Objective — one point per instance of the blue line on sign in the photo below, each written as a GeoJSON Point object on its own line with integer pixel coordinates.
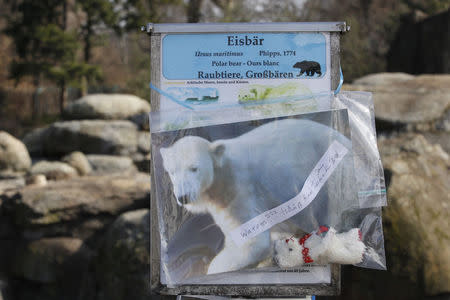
{"type": "Point", "coordinates": [341, 81]}
{"type": "Point", "coordinates": [170, 97]}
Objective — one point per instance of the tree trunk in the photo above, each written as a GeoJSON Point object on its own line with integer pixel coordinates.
{"type": "Point", "coordinates": [365, 5]}
{"type": "Point", "coordinates": [35, 98]}
{"type": "Point", "coordinates": [62, 96]}
{"type": "Point", "coordinates": [193, 11]}
{"type": "Point", "coordinates": [64, 15]}
{"type": "Point", "coordinates": [87, 42]}
{"type": "Point", "coordinates": [83, 86]}
{"type": "Point", "coordinates": [87, 54]}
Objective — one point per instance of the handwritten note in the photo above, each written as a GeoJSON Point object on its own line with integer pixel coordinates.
{"type": "Point", "coordinates": [316, 179]}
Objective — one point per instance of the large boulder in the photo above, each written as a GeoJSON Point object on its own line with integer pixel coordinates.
{"type": "Point", "coordinates": [87, 136]}
{"type": "Point", "coordinates": [53, 269]}
{"type": "Point", "coordinates": [53, 170]}
{"type": "Point", "coordinates": [34, 140]}
{"type": "Point", "coordinates": [8, 236]}
{"type": "Point", "coordinates": [144, 145]}
{"type": "Point", "coordinates": [76, 199]}
{"type": "Point", "coordinates": [378, 79]}
{"type": "Point", "coordinates": [109, 164]}
{"type": "Point", "coordinates": [142, 162]}
{"type": "Point", "coordinates": [123, 264]}
{"type": "Point", "coordinates": [402, 99]}
{"type": "Point", "coordinates": [141, 120]}
{"type": "Point", "coordinates": [48, 259]}
{"type": "Point", "coordinates": [418, 216]}
{"type": "Point", "coordinates": [439, 137]}
{"type": "Point", "coordinates": [37, 180]}
{"type": "Point", "coordinates": [13, 154]}
{"type": "Point", "coordinates": [106, 106]}
{"type": "Point", "coordinates": [10, 181]}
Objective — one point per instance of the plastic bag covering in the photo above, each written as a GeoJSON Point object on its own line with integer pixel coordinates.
{"type": "Point", "coordinates": [266, 157]}
{"type": "Point", "coordinates": [368, 166]}
{"type": "Point", "coordinates": [370, 180]}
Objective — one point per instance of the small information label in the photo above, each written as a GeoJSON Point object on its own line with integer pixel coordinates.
{"type": "Point", "coordinates": [316, 179]}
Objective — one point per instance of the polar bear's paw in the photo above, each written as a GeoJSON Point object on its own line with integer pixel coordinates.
{"type": "Point", "coordinates": [220, 264]}
{"type": "Point", "coordinates": [229, 260]}
{"type": "Point", "coordinates": [233, 257]}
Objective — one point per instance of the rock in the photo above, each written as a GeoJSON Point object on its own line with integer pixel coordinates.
{"type": "Point", "coordinates": [144, 142]}
{"type": "Point", "coordinates": [123, 263]}
{"type": "Point", "coordinates": [78, 161]}
{"type": "Point", "coordinates": [106, 107]}
{"type": "Point", "coordinates": [87, 136]}
{"type": "Point", "coordinates": [444, 124]}
{"type": "Point", "coordinates": [7, 231]}
{"type": "Point", "coordinates": [53, 170]}
{"type": "Point", "coordinates": [142, 162]}
{"type": "Point", "coordinates": [382, 79]}
{"type": "Point", "coordinates": [402, 99]}
{"type": "Point", "coordinates": [66, 289]}
{"type": "Point", "coordinates": [7, 251]}
{"type": "Point", "coordinates": [441, 138]}
{"type": "Point", "coordinates": [10, 181]}
{"type": "Point", "coordinates": [36, 180]}
{"type": "Point", "coordinates": [34, 140]}
{"type": "Point", "coordinates": [13, 154]}
{"type": "Point", "coordinates": [141, 120]}
{"type": "Point", "coordinates": [358, 283]}
{"type": "Point", "coordinates": [418, 216]}
{"type": "Point", "coordinates": [77, 199]}
{"type": "Point", "coordinates": [47, 260]}
{"type": "Point", "coordinates": [108, 164]}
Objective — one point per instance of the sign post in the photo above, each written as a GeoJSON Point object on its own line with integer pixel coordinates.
{"type": "Point", "coordinates": [204, 66]}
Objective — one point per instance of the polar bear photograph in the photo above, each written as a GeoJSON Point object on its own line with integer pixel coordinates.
{"type": "Point", "coordinates": [233, 172]}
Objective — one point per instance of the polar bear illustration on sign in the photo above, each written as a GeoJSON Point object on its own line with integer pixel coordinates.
{"type": "Point", "coordinates": [237, 179]}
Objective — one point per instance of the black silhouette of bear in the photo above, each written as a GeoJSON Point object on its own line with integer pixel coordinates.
{"type": "Point", "coordinates": [309, 67]}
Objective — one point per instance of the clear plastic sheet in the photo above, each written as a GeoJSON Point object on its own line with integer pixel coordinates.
{"type": "Point", "coordinates": [368, 166]}
{"type": "Point", "coordinates": [367, 161]}
{"type": "Point", "coordinates": [276, 156]}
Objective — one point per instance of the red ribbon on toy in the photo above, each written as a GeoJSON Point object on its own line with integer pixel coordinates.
{"type": "Point", "coordinates": [305, 252]}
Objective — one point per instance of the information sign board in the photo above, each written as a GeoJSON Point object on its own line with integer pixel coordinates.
{"type": "Point", "coordinates": [210, 67]}
{"type": "Point", "coordinates": [223, 68]}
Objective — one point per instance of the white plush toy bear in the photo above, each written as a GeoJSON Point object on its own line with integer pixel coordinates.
{"type": "Point", "coordinates": [321, 247]}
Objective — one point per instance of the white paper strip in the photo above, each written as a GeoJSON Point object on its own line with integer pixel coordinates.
{"type": "Point", "coordinates": [316, 179]}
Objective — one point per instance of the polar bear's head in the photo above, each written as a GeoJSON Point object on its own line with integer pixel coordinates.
{"type": "Point", "coordinates": [190, 164]}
